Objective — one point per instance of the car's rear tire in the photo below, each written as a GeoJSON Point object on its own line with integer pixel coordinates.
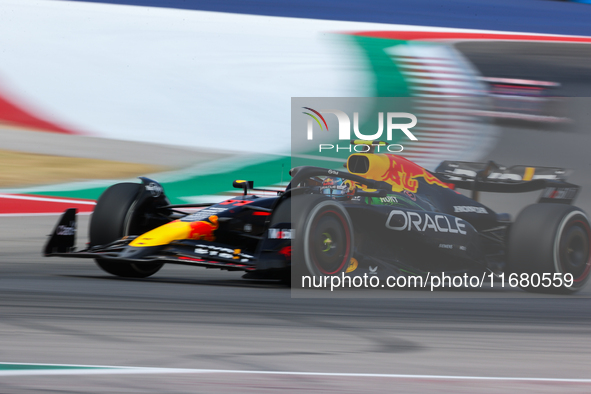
{"type": "Point", "coordinates": [552, 239]}
{"type": "Point", "coordinates": [324, 239]}
{"type": "Point", "coordinates": [114, 217]}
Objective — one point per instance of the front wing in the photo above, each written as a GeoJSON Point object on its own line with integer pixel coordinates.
{"type": "Point", "coordinates": [197, 253]}
{"type": "Point", "coordinates": [187, 252]}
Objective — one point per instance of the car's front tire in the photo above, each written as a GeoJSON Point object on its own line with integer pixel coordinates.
{"type": "Point", "coordinates": [113, 217]}
{"type": "Point", "coordinates": [324, 239]}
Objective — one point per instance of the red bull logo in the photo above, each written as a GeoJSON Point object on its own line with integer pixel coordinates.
{"type": "Point", "coordinates": [399, 172]}
{"type": "Point", "coordinates": [402, 174]}
{"type": "Point", "coordinates": [203, 230]}
{"type": "Point", "coordinates": [177, 229]}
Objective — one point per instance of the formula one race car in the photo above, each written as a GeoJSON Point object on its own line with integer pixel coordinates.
{"type": "Point", "coordinates": [384, 216]}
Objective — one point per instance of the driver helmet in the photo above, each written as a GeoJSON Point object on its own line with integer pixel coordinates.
{"type": "Point", "coordinates": [338, 188]}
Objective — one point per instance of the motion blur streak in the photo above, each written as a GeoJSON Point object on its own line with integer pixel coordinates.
{"type": "Point", "coordinates": [509, 15]}
{"type": "Point", "coordinates": [68, 312]}
{"type": "Point", "coordinates": [224, 81]}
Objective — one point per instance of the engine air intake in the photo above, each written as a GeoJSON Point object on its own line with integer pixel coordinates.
{"type": "Point", "coordinates": [358, 164]}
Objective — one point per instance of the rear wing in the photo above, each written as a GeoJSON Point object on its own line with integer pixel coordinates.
{"type": "Point", "coordinates": [491, 177]}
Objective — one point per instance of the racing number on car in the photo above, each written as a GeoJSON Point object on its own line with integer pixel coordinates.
{"type": "Point", "coordinates": [236, 202]}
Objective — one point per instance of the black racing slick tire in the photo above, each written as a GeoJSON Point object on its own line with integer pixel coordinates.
{"type": "Point", "coordinates": [114, 217]}
{"type": "Point", "coordinates": [324, 237]}
{"type": "Point", "coordinates": [554, 242]}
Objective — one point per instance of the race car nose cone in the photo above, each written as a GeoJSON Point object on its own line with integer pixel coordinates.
{"type": "Point", "coordinates": [133, 252]}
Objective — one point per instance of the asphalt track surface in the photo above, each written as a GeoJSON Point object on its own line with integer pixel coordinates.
{"type": "Point", "coordinates": [63, 311]}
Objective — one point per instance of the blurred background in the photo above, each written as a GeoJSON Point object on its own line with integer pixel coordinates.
{"type": "Point", "coordinates": [198, 93]}
{"type": "Point", "coordinates": [194, 93]}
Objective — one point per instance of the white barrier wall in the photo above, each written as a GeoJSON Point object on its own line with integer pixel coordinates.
{"type": "Point", "coordinates": [201, 79]}
{"type": "Point", "coordinates": [171, 76]}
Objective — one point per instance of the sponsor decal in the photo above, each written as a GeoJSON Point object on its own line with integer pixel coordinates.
{"type": "Point", "coordinates": [446, 246]}
{"type": "Point", "coordinates": [422, 221]}
{"type": "Point", "coordinates": [560, 193]}
{"type": "Point", "coordinates": [469, 209]}
{"type": "Point", "coordinates": [335, 187]}
{"type": "Point", "coordinates": [203, 214]}
{"type": "Point", "coordinates": [66, 230]}
{"type": "Point", "coordinates": [276, 233]}
{"type": "Point", "coordinates": [402, 174]}
{"type": "Point", "coordinates": [410, 195]}
{"type": "Point", "coordinates": [226, 253]}
{"type": "Point", "coordinates": [389, 200]}
{"type": "Point", "coordinates": [353, 264]}
{"type": "Point", "coordinates": [527, 175]}
{"type": "Point", "coordinates": [235, 202]}
{"type": "Point", "coordinates": [204, 230]}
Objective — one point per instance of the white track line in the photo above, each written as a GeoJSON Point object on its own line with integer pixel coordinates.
{"type": "Point", "coordinates": [132, 370]}
{"type": "Point", "coordinates": [3, 215]}
{"type": "Point", "coordinates": [59, 200]}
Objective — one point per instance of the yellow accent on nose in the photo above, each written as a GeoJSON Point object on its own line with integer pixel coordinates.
{"type": "Point", "coordinates": [163, 235]}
